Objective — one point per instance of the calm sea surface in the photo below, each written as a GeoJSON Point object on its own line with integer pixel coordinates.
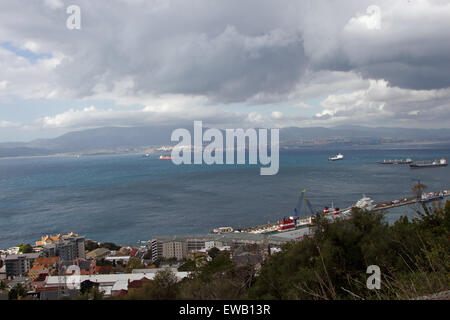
{"type": "Point", "coordinates": [126, 198]}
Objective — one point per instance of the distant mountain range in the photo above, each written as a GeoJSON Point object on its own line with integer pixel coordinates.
{"type": "Point", "coordinates": [108, 139]}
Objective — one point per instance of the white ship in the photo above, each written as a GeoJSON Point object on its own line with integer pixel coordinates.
{"type": "Point", "coordinates": [336, 157]}
{"type": "Point", "coordinates": [364, 203]}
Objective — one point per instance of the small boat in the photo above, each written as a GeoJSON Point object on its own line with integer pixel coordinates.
{"type": "Point", "coordinates": [336, 157]}
{"type": "Point", "coordinates": [165, 157]}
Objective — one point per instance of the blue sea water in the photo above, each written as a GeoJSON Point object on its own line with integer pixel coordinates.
{"type": "Point", "coordinates": [126, 198]}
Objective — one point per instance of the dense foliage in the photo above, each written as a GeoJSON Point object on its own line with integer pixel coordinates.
{"type": "Point", "coordinates": [413, 257]}
{"type": "Point", "coordinates": [25, 248]}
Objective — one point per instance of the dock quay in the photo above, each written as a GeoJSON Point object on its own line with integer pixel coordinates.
{"type": "Point", "coordinates": [271, 227]}
{"type": "Point", "coordinates": [405, 201]}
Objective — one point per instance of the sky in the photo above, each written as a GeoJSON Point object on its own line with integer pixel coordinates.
{"type": "Point", "coordinates": [228, 63]}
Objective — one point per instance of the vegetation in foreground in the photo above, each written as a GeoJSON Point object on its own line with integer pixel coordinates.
{"type": "Point", "coordinates": [413, 256]}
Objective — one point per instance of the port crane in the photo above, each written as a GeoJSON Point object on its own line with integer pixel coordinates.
{"type": "Point", "coordinates": [298, 208]}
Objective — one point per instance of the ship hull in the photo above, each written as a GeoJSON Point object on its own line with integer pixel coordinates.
{"type": "Point", "coordinates": [399, 162]}
{"type": "Point", "coordinates": [415, 166]}
{"type": "Point", "coordinates": [432, 199]}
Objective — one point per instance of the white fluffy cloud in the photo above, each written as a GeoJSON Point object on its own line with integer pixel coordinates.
{"type": "Point", "coordinates": [368, 61]}
{"type": "Point", "coordinates": [382, 104]}
{"type": "Point", "coordinates": [91, 117]}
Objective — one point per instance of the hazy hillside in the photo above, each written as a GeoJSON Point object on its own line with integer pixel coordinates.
{"type": "Point", "coordinates": [111, 138]}
{"type": "Point", "coordinates": [294, 133]}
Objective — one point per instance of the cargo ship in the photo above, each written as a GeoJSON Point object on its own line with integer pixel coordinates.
{"type": "Point", "coordinates": [401, 161]}
{"type": "Point", "coordinates": [336, 157]}
{"type": "Point", "coordinates": [165, 157]}
{"type": "Point", "coordinates": [429, 164]}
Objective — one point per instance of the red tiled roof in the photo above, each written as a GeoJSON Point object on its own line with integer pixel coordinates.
{"type": "Point", "coordinates": [46, 260]}
{"type": "Point", "coordinates": [139, 283]}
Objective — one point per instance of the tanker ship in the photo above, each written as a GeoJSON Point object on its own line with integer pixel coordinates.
{"type": "Point", "coordinates": [429, 164]}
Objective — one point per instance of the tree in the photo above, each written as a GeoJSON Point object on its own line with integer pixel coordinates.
{"type": "Point", "coordinates": [189, 265]}
{"type": "Point", "coordinates": [134, 264]}
{"type": "Point", "coordinates": [91, 245]}
{"type": "Point", "coordinates": [25, 248]}
{"type": "Point", "coordinates": [17, 292]}
{"type": "Point", "coordinates": [213, 252]}
{"type": "Point", "coordinates": [86, 286]}
{"type": "Point", "coordinates": [110, 246]}
{"type": "Point", "coordinates": [166, 285]}
{"type": "Point", "coordinates": [90, 291]}
{"type": "Point", "coordinates": [418, 189]}
{"type": "Point", "coordinates": [163, 287]}
{"type": "Point", "coordinates": [148, 255]}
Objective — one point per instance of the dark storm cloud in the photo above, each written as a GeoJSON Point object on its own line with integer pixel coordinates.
{"type": "Point", "coordinates": [234, 51]}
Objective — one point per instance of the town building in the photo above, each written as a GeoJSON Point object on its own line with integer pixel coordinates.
{"type": "Point", "coordinates": [174, 249]}
{"type": "Point", "coordinates": [19, 264]}
{"type": "Point", "coordinates": [49, 239]}
{"type": "Point", "coordinates": [169, 246]}
{"type": "Point", "coordinates": [86, 267]}
{"type": "Point", "coordinates": [23, 281]}
{"type": "Point", "coordinates": [47, 265]}
{"type": "Point", "coordinates": [118, 259]}
{"type": "Point", "coordinates": [67, 249]}
{"type": "Point", "coordinates": [98, 254]}
{"type": "Point", "coordinates": [56, 286]}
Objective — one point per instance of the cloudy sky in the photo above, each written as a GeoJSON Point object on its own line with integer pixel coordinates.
{"type": "Point", "coordinates": [229, 63]}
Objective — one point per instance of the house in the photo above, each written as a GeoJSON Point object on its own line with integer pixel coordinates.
{"type": "Point", "coordinates": [122, 287]}
{"type": "Point", "coordinates": [39, 281]}
{"type": "Point", "coordinates": [116, 259]}
{"type": "Point", "coordinates": [48, 265]}
{"type": "Point", "coordinates": [85, 266]}
{"type": "Point", "coordinates": [24, 281]}
{"type": "Point", "coordinates": [98, 254]}
{"type": "Point", "coordinates": [49, 239]}
{"type": "Point", "coordinates": [36, 270]}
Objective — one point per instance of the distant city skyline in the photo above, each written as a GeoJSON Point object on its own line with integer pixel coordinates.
{"type": "Point", "coordinates": [227, 63]}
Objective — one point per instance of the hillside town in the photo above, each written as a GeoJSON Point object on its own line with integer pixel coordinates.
{"type": "Point", "coordinates": [60, 266]}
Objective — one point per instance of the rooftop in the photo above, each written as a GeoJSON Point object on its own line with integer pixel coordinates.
{"type": "Point", "coordinates": [33, 255]}
{"type": "Point", "coordinates": [53, 281]}
{"type": "Point", "coordinates": [236, 236]}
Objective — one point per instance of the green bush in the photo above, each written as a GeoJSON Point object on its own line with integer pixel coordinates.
{"type": "Point", "coordinates": [331, 264]}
